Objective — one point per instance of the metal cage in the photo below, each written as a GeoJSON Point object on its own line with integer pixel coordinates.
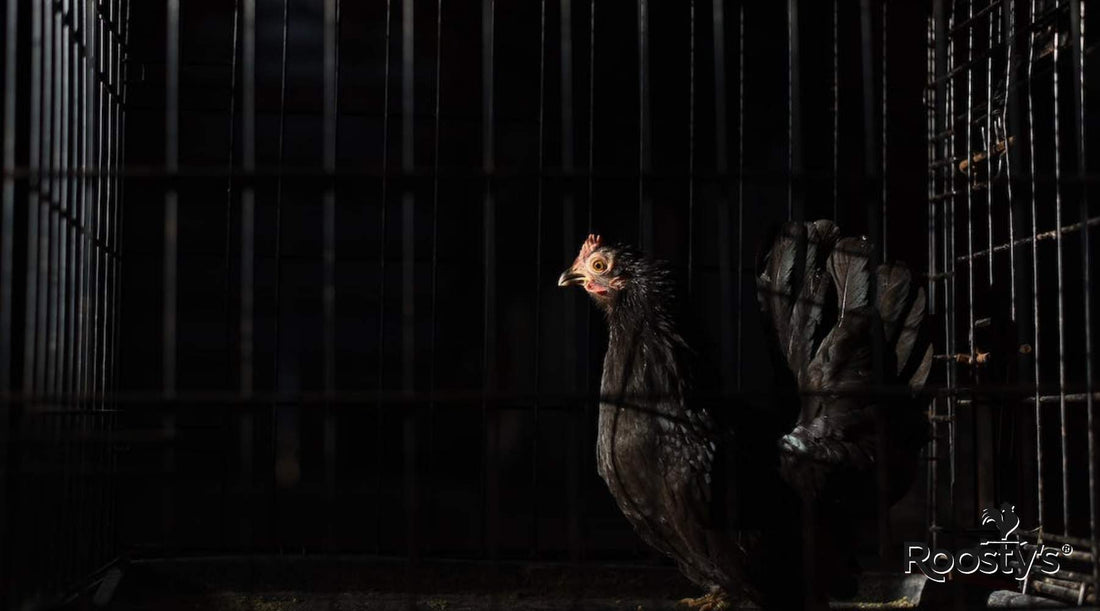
{"type": "Point", "coordinates": [1011, 242]}
{"type": "Point", "coordinates": [60, 271]}
{"type": "Point", "coordinates": [328, 327]}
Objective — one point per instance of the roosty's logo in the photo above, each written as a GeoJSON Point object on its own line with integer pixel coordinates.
{"type": "Point", "coordinates": [1005, 520]}
{"type": "Point", "coordinates": [1007, 555]}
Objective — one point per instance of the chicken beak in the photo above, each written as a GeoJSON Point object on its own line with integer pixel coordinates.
{"type": "Point", "coordinates": [571, 278]}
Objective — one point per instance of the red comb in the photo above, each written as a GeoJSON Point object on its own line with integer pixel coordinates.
{"type": "Point", "coordinates": [589, 245]}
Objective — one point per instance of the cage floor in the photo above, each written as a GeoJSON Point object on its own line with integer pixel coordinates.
{"type": "Point", "coordinates": [305, 583]}
{"type": "Point", "coordinates": [338, 583]}
{"type": "Point", "coordinates": [344, 583]}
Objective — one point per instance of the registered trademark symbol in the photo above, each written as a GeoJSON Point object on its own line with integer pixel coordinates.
{"type": "Point", "coordinates": [1066, 549]}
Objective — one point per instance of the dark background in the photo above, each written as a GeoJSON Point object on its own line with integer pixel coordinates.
{"type": "Point", "coordinates": [503, 457]}
{"type": "Point", "coordinates": [414, 384]}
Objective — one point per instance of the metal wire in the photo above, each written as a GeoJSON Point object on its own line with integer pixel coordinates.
{"type": "Point", "coordinates": [1035, 269]}
{"type": "Point", "coordinates": [1002, 124]}
{"type": "Point", "coordinates": [57, 114]}
{"type": "Point", "coordinates": [1061, 292]}
{"type": "Point", "coordinates": [1077, 28]}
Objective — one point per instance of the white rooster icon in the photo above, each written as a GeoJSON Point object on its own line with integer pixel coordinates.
{"type": "Point", "coordinates": [1005, 519]}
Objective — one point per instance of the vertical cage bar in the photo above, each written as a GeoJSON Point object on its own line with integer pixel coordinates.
{"type": "Point", "coordinates": [7, 249]}
{"type": "Point", "coordinates": [989, 144]}
{"type": "Point", "coordinates": [1034, 263]}
{"type": "Point", "coordinates": [104, 45]}
{"type": "Point", "coordinates": [49, 260]}
{"type": "Point", "coordinates": [1008, 119]}
{"type": "Point", "coordinates": [248, 203]}
{"type": "Point", "coordinates": [883, 127]}
{"type": "Point", "coordinates": [328, 296]}
{"type": "Point", "coordinates": [572, 477]}
{"type": "Point", "coordinates": [836, 108]}
{"type": "Point", "coordinates": [64, 168]}
{"type": "Point", "coordinates": [408, 277]}
{"type": "Point", "coordinates": [589, 407]}
{"type": "Point", "coordinates": [123, 72]}
{"type": "Point", "coordinates": [691, 149]}
{"type": "Point", "coordinates": [109, 93]}
{"type": "Point", "coordinates": [951, 283]}
{"type": "Point", "coordinates": [591, 115]}
{"type": "Point", "coordinates": [62, 566]}
{"type": "Point", "coordinates": [84, 229]}
{"type": "Point", "coordinates": [1077, 31]}
{"type": "Point", "coordinates": [227, 279]}
{"type": "Point", "coordinates": [489, 412]}
{"type": "Point", "coordinates": [871, 152]}
{"type": "Point", "coordinates": [102, 102]}
{"type": "Point", "coordinates": [69, 230]}
{"type": "Point", "coordinates": [116, 74]}
{"type": "Point", "coordinates": [45, 216]}
{"type": "Point", "coordinates": [49, 384]}
{"type": "Point", "coordinates": [645, 158]}
{"type": "Point", "coordinates": [567, 140]}
{"type": "Point", "coordinates": [794, 116]}
{"type": "Point", "coordinates": [171, 212]}
{"type": "Point", "coordinates": [289, 449]}
{"type": "Point", "coordinates": [331, 125]}
{"type": "Point", "coordinates": [383, 205]}
{"type": "Point", "coordinates": [92, 288]}
{"type": "Point", "coordinates": [740, 186]}
{"type": "Point", "coordinates": [92, 238]}
{"type": "Point", "coordinates": [1061, 292]}
{"type": "Point", "coordinates": [967, 151]}
{"type": "Point", "coordinates": [68, 262]}
{"type": "Point", "coordinates": [875, 218]}
{"type": "Point", "coordinates": [934, 114]}
{"type": "Point", "coordinates": [78, 420]}
{"type": "Point", "coordinates": [92, 234]}
{"type": "Point", "coordinates": [247, 256]}
{"type": "Point", "coordinates": [536, 406]}
{"type": "Point", "coordinates": [231, 159]}
{"type": "Point", "coordinates": [7, 213]}
{"type": "Point", "coordinates": [432, 475]}
{"type": "Point", "coordinates": [983, 415]}
{"type": "Point", "coordinates": [34, 206]}
{"type": "Point", "coordinates": [731, 312]}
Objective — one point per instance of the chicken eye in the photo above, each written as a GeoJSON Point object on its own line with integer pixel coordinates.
{"type": "Point", "coordinates": [599, 265]}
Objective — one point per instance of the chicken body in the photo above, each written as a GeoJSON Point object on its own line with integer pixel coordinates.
{"type": "Point", "coordinates": [729, 492]}
{"type": "Point", "coordinates": [666, 458]}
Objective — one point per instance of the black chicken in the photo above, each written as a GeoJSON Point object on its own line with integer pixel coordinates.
{"type": "Point", "coordinates": [720, 488]}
